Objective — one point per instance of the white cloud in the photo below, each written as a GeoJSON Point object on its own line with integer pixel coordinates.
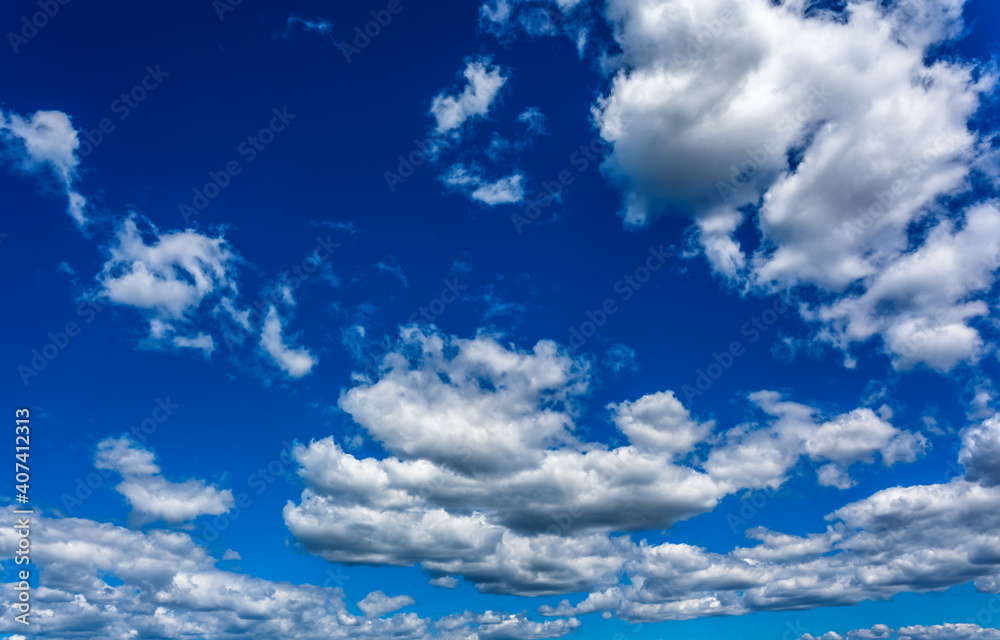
{"type": "Point", "coordinates": [659, 422]}
{"type": "Point", "coordinates": [504, 191]}
{"type": "Point", "coordinates": [856, 437]}
{"type": "Point", "coordinates": [295, 362]}
{"type": "Point", "coordinates": [484, 81]}
{"type": "Point", "coordinates": [170, 280]}
{"type": "Point", "coordinates": [492, 625]}
{"type": "Point", "coordinates": [980, 454]}
{"type": "Point", "coordinates": [202, 341]}
{"type": "Point", "coordinates": [915, 538]}
{"type": "Point", "coordinates": [461, 417]}
{"type": "Point", "coordinates": [172, 589]}
{"type": "Point", "coordinates": [759, 458]}
{"type": "Point", "coordinates": [46, 139]}
{"type": "Point", "coordinates": [377, 604]}
{"type": "Point", "coordinates": [445, 582]}
{"type": "Point", "coordinates": [151, 496]}
{"type": "Point", "coordinates": [480, 408]}
{"type": "Point", "coordinates": [840, 136]}
{"type": "Point", "coordinates": [181, 280]}
{"type": "Point", "coordinates": [948, 631]}
{"type": "Point", "coordinates": [470, 181]}
{"type": "Point", "coordinates": [534, 120]}
{"type": "Point", "coordinates": [877, 632]}
{"type": "Point", "coordinates": [922, 302]}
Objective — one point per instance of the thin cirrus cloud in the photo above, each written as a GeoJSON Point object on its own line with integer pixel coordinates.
{"type": "Point", "coordinates": [46, 140]}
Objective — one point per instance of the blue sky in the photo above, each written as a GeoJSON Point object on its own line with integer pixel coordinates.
{"type": "Point", "coordinates": [519, 319]}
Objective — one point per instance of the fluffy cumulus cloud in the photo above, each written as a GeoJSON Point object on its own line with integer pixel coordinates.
{"type": "Point", "coordinates": [153, 497]}
{"type": "Point", "coordinates": [377, 604]}
{"type": "Point", "coordinates": [856, 437]}
{"type": "Point", "coordinates": [46, 141]}
{"type": "Point", "coordinates": [980, 454]}
{"type": "Point", "coordinates": [107, 581]}
{"type": "Point", "coordinates": [835, 134]}
{"type": "Point", "coordinates": [483, 83]}
{"type": "Point", "coordinates": [492, 625]}
{"type": "Point", "coordinates": [181, 281]}
{"type": "Point", "coordinates": [170, 277]}
{"type": "Point", "coordinates": [659, 422]}
{"type": "Point", "coordinates": [949, 631]}
{"type": "Point", "coordinates": [915, 538]}
{"type": "Point", "coordinates": [486, 478]}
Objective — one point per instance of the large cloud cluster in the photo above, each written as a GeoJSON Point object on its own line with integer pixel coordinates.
{"type": "Point", "coordinates": [486, 476]}
{"type": "Point", "coordinates": [110, 582]}
{"type": "Point", "coordinates": [838, 134]}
